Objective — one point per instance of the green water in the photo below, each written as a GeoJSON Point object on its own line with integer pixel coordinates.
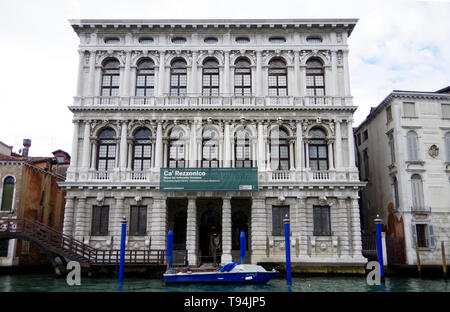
{"type": "Point", "coordinates": [49, 283]}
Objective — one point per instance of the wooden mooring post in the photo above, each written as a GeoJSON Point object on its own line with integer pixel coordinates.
{"type": "Point", "coordinates": [419, 267]}
{"type": "Point", "coordinates": [444, 261]}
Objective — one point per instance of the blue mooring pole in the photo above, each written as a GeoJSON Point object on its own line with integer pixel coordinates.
{"type": "Point", "coordinates": [122, 250]}
{"type": "Point", "coordinates": [288, 249]}
{"type": "Point", "coordinates": [243, 247]}
{"type": "Point", "coordinates": [169, 248]}
{"type": "Point", "coordinates": [378, 222]}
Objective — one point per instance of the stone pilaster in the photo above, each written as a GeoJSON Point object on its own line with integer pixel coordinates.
{"type": "Point", "coordinates": [69, 211]}
{"type": "Point", "coordinates": [344, 227]}
{"type": "Point", "coordinates": [226, 230]}
{"type": "Point", "coordinates": [302, 227]}
{"type": "Point", "coordinates": [258, 229]}
{"type": "Point", "coordinates": [81, 219]}
{"type": "Point", "coordinates": [191, 231]}
{"type": "Point", "coordinates": [159, 221]}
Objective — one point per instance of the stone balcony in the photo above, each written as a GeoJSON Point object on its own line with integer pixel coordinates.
{"type": "Point", "coordinates": [265, 177]}
{"type": "Point", "coordinates": [219, 102]}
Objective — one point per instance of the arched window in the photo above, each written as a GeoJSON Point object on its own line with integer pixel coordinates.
{"type": "Point", "coordinates": [176, 154]}
{"type": "Point", "coordinates": [210, 149]}
{"type": "Point", "coordinates": [178, 78]}
{"type": "Point", "coordinates": [242, 78]}
{"type": "Point", "coordinates": [318, 152]}
{"type": "Point", "coordinates": [110, 78]}
{"type": "Point", "coordinates": [412, 145]}
{"type": "Point", "coordinates": [417, 193]}
{"type": "Point", "coordinates": [279, 149]}
{"type": "Point", "coordinates": [447, 145]}
{"type": "Point", "coordinates": [210, 86]}
{"type": "Point", "coordinates": [315, 79]}
{"type": "Point", "coordinates": [145, 78]}
{"type": "Point", "coordinates": [106, 154]}
{"type": "Point", "coordinates": [7, 194]}
{"type": "Point", "coordinates": [277, 78]}
{"type": "Point", "coordinates": [142, 150]}
{"type": "Point", "coordinates": [242, 149]}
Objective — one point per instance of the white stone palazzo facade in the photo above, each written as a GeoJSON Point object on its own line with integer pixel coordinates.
{"type": "Point", "coordinates": [312, 176]}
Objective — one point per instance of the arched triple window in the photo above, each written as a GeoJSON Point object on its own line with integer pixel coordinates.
{"type": "Point", "coordinates": [145, 79]}
{"type": "Point", "coordinates": [210, 148]}
{"type": "Point", "coordinates": [412, 142]}
{"type": "Point", "coordinates": [242, 78]}
{"type": "Point", "coordinates": [210, 78]}
{"type": "Point", "coordinates": [178, 78]}
{"type": "Point", "coordinates": [318, 152]}
{"type": "Point", "coordinates": [242, 149]}
{"type": "Point", "coordinates": [279, 149]}
{"type": "Point", "coordinates": [106, 154]}
{"type": "Point", "coordinates": [277, 78]}
{"type": "Point", "coordinates": [142, 150]}
{"type": "Point", "coordinates": [110, 78]}
{"type": "Point", "coordinates": [176, 154]}
{"type": "Point", "coordinates": [7, 194]}
{"type": "Point", "coordinates": [417, 193]}
{"type": "Point", "coordinates": [315, 80]}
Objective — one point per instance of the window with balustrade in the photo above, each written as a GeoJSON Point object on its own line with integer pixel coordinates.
{"type": "Point", "coordinates": [142, 150]}
{"type": "Point", "coordinates": [242, 149]}
{"type": "Point", "coordinates": [277, 77]}
{"type": "Point", "coordinates": [145, 78]}
{"type": "Point", "coordinates": [210, 148]}
{"type": "Point", "coordinates": [8, 194]}
{"type": "Point", "coordinates": [315, 80]}
{"type": "Point", "coordinates": [110, 78]}
{"type": "Point", "coordinates": [318, 151]}
{"type": "Point", "coordinates": [106, 153]}
{"type": "Point", "coordinates": [210, 78]}
{"type": "Point", "coordinates": [176, 146]}
{"type": "Point", "coordinates": [242, 78]}
{"type": "Point", "coordinates": [178, 78]}
{"type": "Point", "coordinates": [279, 149]}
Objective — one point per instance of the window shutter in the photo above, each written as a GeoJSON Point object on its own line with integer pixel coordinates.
{"type": "Point", "coordinates": [412, 146]}
{"type": "Point", "coordinates": [317, 223]}
{"type": "Point", "coordinates": [95, 220]}
{"type": "Point", "coordinates": [104, 220]}
{"type": "Point", "coordinates": [432, 238]}
{"type": "Point", "coordinates": [142, 220]}
{"type": "Point", "coordinates": [413, 235]}
{"type": "Point", "coordinates": [276, 221]}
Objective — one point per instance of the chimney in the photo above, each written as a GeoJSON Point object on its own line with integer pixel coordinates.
{"type": "Point", "coordinates": [26, 147]}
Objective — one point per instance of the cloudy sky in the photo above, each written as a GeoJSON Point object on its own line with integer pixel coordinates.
{"type": "Point", "coordinates": [396, 45]}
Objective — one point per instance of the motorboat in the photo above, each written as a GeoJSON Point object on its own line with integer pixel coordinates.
{"type": "Point", "coordinates": [231, 273]}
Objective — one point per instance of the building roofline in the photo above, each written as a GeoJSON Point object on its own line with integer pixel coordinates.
{"type": "Point", "coordinates": [399, 94]}
{"type": "Point", "coordinates": [347, 23]}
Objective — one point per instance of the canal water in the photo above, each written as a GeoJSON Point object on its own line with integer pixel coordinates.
{"type": "Point", "coordinates": [49, 283]}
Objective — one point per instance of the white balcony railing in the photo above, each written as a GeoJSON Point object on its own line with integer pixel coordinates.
{"type": "Point", "coordinates": [100, 175]}
{"type": "Point", "coordinates": [281, 175]}
{"type": "Point", "coordinates": [143, 100]}
{"type": "Point", "coordinates": [320, 175]}
{"type": "Point", "coordinates": [175, 100]}
{"type": "Point", "coordinates": [106, 100]}
{"type": "Point", "coordinates": [139, 176]}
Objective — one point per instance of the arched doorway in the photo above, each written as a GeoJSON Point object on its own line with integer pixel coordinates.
{"type": "Point", "coordinates": [210, 227]}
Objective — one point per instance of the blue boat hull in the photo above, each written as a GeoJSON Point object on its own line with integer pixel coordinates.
{"type": "Point", "coordinates": [220, 278]}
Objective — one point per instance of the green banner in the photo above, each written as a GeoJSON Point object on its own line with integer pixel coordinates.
{"type": "Point", "coordinates": [209, 179]}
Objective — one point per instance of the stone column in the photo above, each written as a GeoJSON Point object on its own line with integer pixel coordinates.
{"type": "Point", "coordinates": [351, 146]}
{"type": "Point", "coordinates": [330, 155]}
{"type": "Point", "coordinates": [338, 146]}
{"type": "Point", "coordinates": [307, 154]}
{"type": "Point", "coordinates": [193, 145]}
{"type": "Point", "coordinates": [296, 73]}
{"type": "Point", "coordinates": [115, 218]}
{"type": "Point", "coordinates": [226, 230]}
{"type": "Point", "coordinates": [299, 146]}
{"type": "Point", "coordinates": [344, 223]}
{"type": "Point", "coordinates": [191, 231]}
{"type": "Point", "coordinates": [80, 78]}
{"type": "Point", "coordinates": [74, 158]}
{"type": "Point", "coordinates": [86, 145]}
{"type": "Point", "coordinates": [123, 147]}
{"type": "Point", "coordinates": [94, 155]}
{"type": "Point", "coordinates": [161, 73]}
{"type": "Point", "coordinates": [81, 219]}
{"type": "Point", "coordinates": [125, 85]}
{"type": "Point", "coordinates": [227, 145]}
{"type": "Point", "coordinates": [334, 79]}
{"type": "Point", "coordinates": [158, 147]}
{"type": "Point", "coordinates": [158, 225]}
{"type": "Point", "coordinates": [302, 84]}
{"type": "Point", "coordinates": [346, 74]}
{"type": "Point", "coordinates": [302, 226]}
{"type": "Point", "coordinates": [355, 229]}
{"type": "Point", "coordinates": [261, 147]}
{"type": "Point", "coordinates": [226, 74]}
{"type": "Point", "coordinates": [259, 230]}
{"type": "Point", "coordinates": [91, 75]}
{"type": "Point", "coordinates": [291, 155]}
{"type": "Point", "coordinates": [194, 74]}
{"type": "Point", "coordinates": [69, 212]}
{"type": "Point", "coordinates": [259, 74]}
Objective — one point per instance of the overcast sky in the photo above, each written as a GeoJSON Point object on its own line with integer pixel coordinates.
{"type": "Point", "coordinates": [396, 45]}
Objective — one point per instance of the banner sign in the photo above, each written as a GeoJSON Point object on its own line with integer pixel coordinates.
{"type": "Point", "coordinates": [209, 179]}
